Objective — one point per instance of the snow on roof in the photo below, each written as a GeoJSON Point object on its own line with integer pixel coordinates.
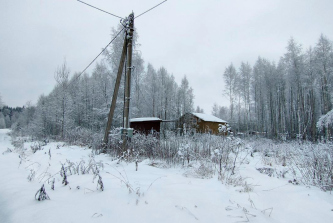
{"type": "Point", "coordinates": [208, 118]}
{"type": "Point", "coordinates": [145, 119]}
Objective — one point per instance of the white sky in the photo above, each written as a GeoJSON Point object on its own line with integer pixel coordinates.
{"type": "Point", "coordinates": [196, 38]}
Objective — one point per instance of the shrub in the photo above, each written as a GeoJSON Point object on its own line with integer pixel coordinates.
{"type": "Point", "coordinates": [41, 194]}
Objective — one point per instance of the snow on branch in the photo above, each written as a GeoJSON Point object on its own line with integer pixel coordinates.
{"type": "Point", "coordinates": [325, 120]}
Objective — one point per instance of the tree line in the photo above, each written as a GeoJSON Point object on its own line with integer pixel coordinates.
{"type": "Point", "coordinates": [284, 99]}
{"type": "Point", "coordinates": [83, 101]}
{"type": "Point", "coordinates": [8, 115]}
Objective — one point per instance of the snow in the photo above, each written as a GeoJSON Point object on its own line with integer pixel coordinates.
{"type": "Point", "coordinates": [325, 120]}
{"type": "Point", "coordinates": [145, 119]}
{"type": "Point", "coordinates": [209, 118]}
{"type": "Point", "coordinates": [159, 194]}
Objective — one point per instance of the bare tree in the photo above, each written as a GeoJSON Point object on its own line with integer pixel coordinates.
{"type": "Point", "coordinates": [62, 77]}
{"type": "Point", "coordinates": [230, 77]}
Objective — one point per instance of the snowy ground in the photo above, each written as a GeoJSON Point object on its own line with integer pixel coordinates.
{"type": "Point", "coordinates": [158, 194]}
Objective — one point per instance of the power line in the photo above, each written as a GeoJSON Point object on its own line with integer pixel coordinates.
{"type": "Point", "coordinates": [150, 9]}
{"type": "Point", "coordinates": [100, 53]}
{"type": "Point", "coordinates": [117, 33]}
{"type": "Point", "coordinates": [100, 9]}
{"type": "Point", "coordinates": [119, 16]}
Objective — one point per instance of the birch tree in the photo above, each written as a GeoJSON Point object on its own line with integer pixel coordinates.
{"type": "Point", "coordinates": [324, 69]}
{"type": "Point", "coordinates": [64, 101]}
{"type": "Point", "coordinates": [230, 77]}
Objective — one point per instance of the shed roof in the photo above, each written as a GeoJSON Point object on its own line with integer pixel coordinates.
{"type": "Point", "coordinates": [208, 118]}
{"type": "Point", "coordinates": [146, 119]}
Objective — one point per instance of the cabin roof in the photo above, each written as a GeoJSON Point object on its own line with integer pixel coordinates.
{"type": "Point", "coordinates": [208, 118]}
{"type": "Point", "coordinates": [146, 119]}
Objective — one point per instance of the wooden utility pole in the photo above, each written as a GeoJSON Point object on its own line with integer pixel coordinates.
{"type": "Point", "coordinates": [128, 24]}
{"type": "Point", "coordinates": [127, 49]}
{"type": "Point", "coordinates": [129, 70]}
{"type": "Point", "coordinates": [115, 92]}
{"type": "Point", "coordinates": [128, 77]}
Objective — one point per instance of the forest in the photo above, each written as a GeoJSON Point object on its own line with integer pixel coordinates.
{"type": "Point", "coordinates": [8, 115]}
{"type": "Point", "coordinates": [80, 103]}
{"type": "Point", "coordinates": [291, 99]}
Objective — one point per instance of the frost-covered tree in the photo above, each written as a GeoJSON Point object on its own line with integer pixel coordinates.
{"type": "Point", "coordinates": [2, 117]}
{"type": "Point", "coordinates": [24, 122]}
{"type": "Point", "coordinates": [294, 60]}
{"type": "Point", "coordinates": [230, 78]}
{"type": "Point", "coordinates": [78, 106]}
{"type": "Point", "coordinates": [284, 99]}
{"type": "Point", "coordinates": [151, 91]}
{"type": "Point", "coordinates": [102, 86]}
{"type": "Point", "coordinates": [137, 87]}
{"type": "Point", "coordinates": [324, 69]}
{"type": "Point", "coordinates": [63, 100]}
{"type": "Point", "coordinates": [244, 90]}
{"type": "Point", "coordinates": [2, 121]}
{"type": "Point", "coordinates": [312, 94]}
{"type": "Point", "coordinates": [199, 110]}
{"type": "Point", "coordinates": [159, 94]}
{"type": "Point", "coordinates": [259, 93]}
{"type": "Point", "coordinates": [1, 103]}
{"type": "Point", "coordinates": [221, 112]}
{"type": "Point", "coordinates": [186, 97]}
{"type": "Point", "coordinates": [325, 123]}
{"type": "Point", "coordinates": [41, 121]}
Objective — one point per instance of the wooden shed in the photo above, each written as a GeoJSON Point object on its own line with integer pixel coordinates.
{"type": "Point", "coordinates": [200, 123]}
{"type": "Point", "coordinates": [146, 125]}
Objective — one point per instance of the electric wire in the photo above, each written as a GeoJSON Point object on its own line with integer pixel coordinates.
{"type": "Point", "coordinates": [115, 36]}
{"type": "Point", "coordinates": [100, 9]}
{"type": "Point", "coordinates": [100, 53]}
{"type": "Point", "coordinates": [119, 16]}
{"type": "Point", "coordinates": [151, 9]}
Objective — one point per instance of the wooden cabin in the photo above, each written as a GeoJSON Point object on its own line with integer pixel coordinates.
{"type": "Point", "coordinates": [146, 125]}
{"type": "Point", "coordinates": [200, 123]}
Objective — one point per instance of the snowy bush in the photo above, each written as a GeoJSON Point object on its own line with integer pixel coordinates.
{"type": "Point", "coordinates": [36, 146]}
{"type": "Point", "coordinates": [100, 183]}
{"type": "Point", "coordinates": [52, 184]}
{"type": "Point", "coordinates": [185, 152]}
{"type": "Point", "coordinates": [203, 170]}
{"type": "Point", "coordinates": [146, 146]}
{"type": "Point", "coordinates": [7, 151]}
{"type": "Point", "coordinates": [31, 176]}
{"type": "Point", "coordinates": [309, 163]}
{"type": "Point", "coordinates": [63, 175]}
{"type": "Point", "coordinates": [325, 120]}
{"type": "Point", "coordinates": [41, 194]}
{"type": "Point", "coordinates": [197, 154]}
{"type": "Point", "coordinates": [115, 145]}
{"type": "Point", "coordinates": [84, 137]}
{"type": "Point", "coordinates": [325, 124]}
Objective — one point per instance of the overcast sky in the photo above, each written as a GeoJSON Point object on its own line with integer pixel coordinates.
{"type": "Point", "coordinates": [196, 38]}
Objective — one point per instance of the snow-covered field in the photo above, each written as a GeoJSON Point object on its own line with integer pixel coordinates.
{"type": "Point", "coordinates": [151, 194]}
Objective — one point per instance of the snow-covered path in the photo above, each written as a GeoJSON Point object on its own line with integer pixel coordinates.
{"type": "Point", "coordinates": [159, 195]}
